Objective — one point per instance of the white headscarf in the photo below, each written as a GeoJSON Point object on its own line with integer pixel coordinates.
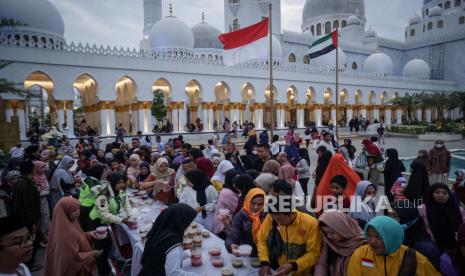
{"type": "Point", "coordinates": [223, 167]}
{"type": "Point", "coordinates": [360, 210]}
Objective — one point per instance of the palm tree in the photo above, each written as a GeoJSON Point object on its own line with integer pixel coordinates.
{"type": "Point", "coordinates": [408, 103]}
{"type": "Point", "coordinates": [457, 100]}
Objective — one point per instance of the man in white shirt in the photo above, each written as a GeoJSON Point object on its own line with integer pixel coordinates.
{"type": "Point", "coordinates": [326, 142]}
{"type": "Point", "coordinates": [17, 152]}
{"type": "Point", "coordinates": [15, 247]}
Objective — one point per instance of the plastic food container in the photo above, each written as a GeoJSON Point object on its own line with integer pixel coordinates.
{"type": "Point", "coordinates": [217, 261]}
{"type": "Point", "coordinates": [227, 271]}
{"type": "Point", "coordinates": [245, 249]}
{"type": "Point", "coordinates": [237, 262]}
{"type": "Point", "coordinates": [214, 251]}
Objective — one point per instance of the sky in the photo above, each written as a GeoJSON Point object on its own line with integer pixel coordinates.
{"type": "Point", "coordinates": [120, 22]}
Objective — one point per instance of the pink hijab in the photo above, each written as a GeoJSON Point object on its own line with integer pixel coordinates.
{"type": "Point", "coordinates": [68, 250]}
{"type": "Point", "coordinates": [39, 177]}
{"type": "Point", "coordinates": [286, 172]}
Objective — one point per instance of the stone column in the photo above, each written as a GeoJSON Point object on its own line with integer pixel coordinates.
{"type": "Point", "coordinates": [333, 115]}
{"type": "Point", "coordinates": [9, 111]}
{"type": "Point", "coordinates": [69, 119]}
{"type": "Point", "coordinates": [388, 115]}
{"type": "Point", "coordinates": [428, 115]}
{"type": "Point", "coordinates": [21, 113]}
{"type": "Point", "coordinates": [300, 116]}
{"type": "Point", "coordinates": [375, 113]}
{"type": "Point", "coordinates": [107, 117]}
{"type": "Point", "coordinates": [204, 117]}
{"type": "Point", "coordinates": [60, 114]}
{"type": "Point", "coordinates": [135, 118]}
{"type": "Point", "coordinates": [419, 114]}
{"type": "Point", "coordinates": [145, 117]}
{"type": "Point", "coordinates": [211, 117]}
{"type": "Point", "coordinates": [399, 116]}
{"type": "Point", "coordinates": [279, 116]}
{"type": "Point", "coordinates": [182, 116]}
{"type": "Point", "coordinates": [318, 115]}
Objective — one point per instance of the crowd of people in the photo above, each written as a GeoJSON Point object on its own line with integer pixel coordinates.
{"type": "Point", "coordinates": [56, 198]}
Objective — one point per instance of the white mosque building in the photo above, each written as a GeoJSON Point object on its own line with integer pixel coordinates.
{"type": "Point", "coordinates": [114, 85]}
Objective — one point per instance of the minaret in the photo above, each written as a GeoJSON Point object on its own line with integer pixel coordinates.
{"type": "Point", "coordinates": [152, 14]}
{"type": "Point", "coordinates": [242, 13]}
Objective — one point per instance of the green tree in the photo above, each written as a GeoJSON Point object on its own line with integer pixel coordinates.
{"type": "Point", "coordinates": [457, 100]}
{"type": "Point", "coordinates": [158, 105]}
{"type": "Point", "coordinates": [408, 103]}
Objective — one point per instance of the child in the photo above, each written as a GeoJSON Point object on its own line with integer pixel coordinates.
{"type": "Point", "coordinates": [338, 186]}
{"type": "Point", "coordinates": [398, 189]}
{"type": "Point", "coordinates": [116, 167]}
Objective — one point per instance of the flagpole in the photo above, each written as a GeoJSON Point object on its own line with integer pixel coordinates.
{"type": "Point", "coordinates": [271, 72]}
{"type": "Point", "coordinates": [337, 88]}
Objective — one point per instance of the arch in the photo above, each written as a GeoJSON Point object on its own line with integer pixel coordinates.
{"type": "Point", "coordinates": [194, 92]}
{"type": "Point", "coordinates": [291, 57]}
{"type": "Point", "coordinates": [412, 32]}
{"type": "Point", "coordinates": [343, 23]}
{"type": "Point", "coordinates": [395, 95]}
{"type": "Point", "coordinates": [358, 97]}
{"type": "Point", "coordinates": [306, 59]}
{"type": "Point", "coordinates": [440, 24]}
{"type": "Point", "coordinates": [343, 96]}
{"type": "Point", "coordinates": [461, 20]}
{"type": "Point", "coordinates": [336, 24]}
{"type": "Point", "coordinates": [39, 99]}
{"type": "Point", "coordinates": [247, 92]}
{"type": "Point", "coordinates": [312, 29]}
{"type": "Point", "coordinates": [222, 92]}
{"type": "Point", "coordinates": [292, 96]}
{"type": "Point", "coordinates": [384, 98]}
{"type": "Point", "coordinates": [126, 106]}
{"type": "Point", "coordinates": [41, 79]}
{"type": "Point", "coordinates": [310, 95]}
{"type": "Point", "coordinates": [328, 96]}
{"type": "Point", "coordinates": [354, 65]}
{"type": "Point", "coordinates": [88, 90]}
{"type": "Point", "coordinates": [372, 97]}
{"type": "Point", "coordinates": [318, 29]}
{"type": "Point", "coordinates": [327, 27]}
{"type": "Point", "coordinates": [447, 5]}
{"type": "Point", "coordinates": [430, 25]}
{"type": "Point", "coordinates": [164, 86]}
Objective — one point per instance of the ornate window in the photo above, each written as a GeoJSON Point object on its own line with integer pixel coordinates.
{"type": "Point", "coordinates": [462, 20]}
{"type": "Point", "coordinates": [327, 27]}
{"type": "Point", "coordinates": [457, 3]}
{"type": "Point", "coordinates": [412, 32]}
{"type": "Point", "coordinates": [291, 57]}
{"type": "Point", "coordinates": [318, 29]}
{"type": "Point", "coordinates": [430, 26]}
{"type": "Point", "coordinates": [306, 59]}
{"type": "Point", "coordinates": [336, 24]}
{"type": "Point", "coordinates": [343, 23]}
{"type": "Point", "coordinates": [447, 5]}
{"type": "Point", "coordinates": [235, 25]}
{"type": "Point", "coordinates": [440, 24]}
{"type": "Point", "coordinates": [312, 29]}
{"type": "Point", "coordinates": [354, 66]}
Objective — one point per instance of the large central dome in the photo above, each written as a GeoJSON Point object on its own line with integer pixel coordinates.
{"type": "Point", "coordinates": [316, 8]}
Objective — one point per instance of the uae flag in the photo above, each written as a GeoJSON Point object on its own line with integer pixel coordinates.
{"type": "Point", "coordinates": [246, 44]}
{"type": "Point", "coordinates": [323, 45]}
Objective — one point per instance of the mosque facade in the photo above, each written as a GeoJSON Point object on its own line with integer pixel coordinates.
{"type": "Point", "coordinates": [110, 85]}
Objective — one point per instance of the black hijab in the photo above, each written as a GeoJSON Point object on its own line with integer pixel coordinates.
{"type": "Point", "coordinates": [229, 180]}
{"type": "Point", "coordinates": [166, 233]}
{"type": "Point", "coordinates": [444, 219]}
{"type": "Point", "coordinates": [418, 183]}
{"type": "Point", "coordinates": [200, 183]}
{"type": "Point", "coordinates": [323, 162]}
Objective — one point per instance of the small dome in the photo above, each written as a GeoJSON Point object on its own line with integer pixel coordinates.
{"type": "Point", "coordinates": [378, 63]}
{"type": "Point", "coordinates": [415, 20]}
{"type": "Point", "coordinates": [38, 16]}
{"type": "Point", "coordinates": [353, 20]}
{"type": "Point", "coordinates": [171, 32]}
{"type": "Point", "coordinates": [316, 8]}
{"type": "Point", "coordinates": [329, 60]}
{"type": "Point", "coordinates": [370, 33]}
{"type": "Point", "coordinates": [435, 11]}
{"type": "Point", "coordinates": [417, 68]}
{"type": "Point", "coordinates": [206, 36]}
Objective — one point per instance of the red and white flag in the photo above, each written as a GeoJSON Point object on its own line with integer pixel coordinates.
{"type": "Point", "coordinates": [244, 44]}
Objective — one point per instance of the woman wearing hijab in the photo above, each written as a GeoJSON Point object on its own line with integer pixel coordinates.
{"type": "Point", "coordinates": [418, 182]}
{"type": "Point", "coordinates": [243, 183]}
{"type": "Point", "coordinates": [360, 209]}
{"type": "Point", "coordinates": [62, 181]}
{"type": "Point", "coordinates": [385, 255]}
{"type": "Point", "coordinates": [246, 223]}
{"type": "Point", "coordinates": [264, 181]}
{"type": "Point", "coordinates": [341, 236]}
{"type": "Point", "coordinates": [133, 170]}
{"type": "Point", "coordinates": [303, 170]}
{"type": "Point", "coordinates": [218, 178]}
{"type": "Point", "coordinates": [40, 180]}
{"type": "Point", "coordinates": [415, 233]}
{"type": "Point", "coordinates": [69, 251]}
{"type": "Point", "coordinates": [286, 173]}
{"type": "Point", "coordinates": [200, 195]}
{"type": "Point", "coordinates": [442, 216]}
{"type": "Point", "coordinates": [163, 184]}
{"type": "Point", "coordinates": [271, 166]}
{"type": "Point", "coordinates": [163, 252]}
{"type": "Point", "coordinates": [392, 171]}
{"type": "Point", "coordinates": [338, 166]}
{"type": "Point", "coordinates": [227, 200]}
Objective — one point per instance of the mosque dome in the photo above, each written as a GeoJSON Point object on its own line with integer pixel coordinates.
{"type": "Point", "coordinates": [415, 20]}
{"type": "Point", "coordinates": [378, 63]}
{"type": "Point", "coordinates": [171, 32]}
{"type": "Point", "coordinates": [329, 59]}
{"type": "Point", "coordinates": [37, 16]}
{"type": "Point", "coordinates": [316, 8]}
{"type": "Point", "coordinates": [206, 36]}
{"type": "Point", "coordinates": [370, 33]}
{"type": "Point", "coordinates": [353, 20]}
{"type": "Point", "coordinates": [417, 68]}
{"type": "Point", "coordinates": [435, 11]}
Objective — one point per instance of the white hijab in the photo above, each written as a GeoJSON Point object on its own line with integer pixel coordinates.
{"type": "Point", "coordinates": [358, 208]}
{"type": "Point", "coordinates": [223, 167]}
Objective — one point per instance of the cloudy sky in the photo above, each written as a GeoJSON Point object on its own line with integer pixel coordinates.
{"type": "Point", "coordinates": [119, 22]}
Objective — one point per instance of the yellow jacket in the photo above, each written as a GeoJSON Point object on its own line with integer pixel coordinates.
{"type": "Point", "coordinates": [301, 242]}
{"type": "Point", "coordinates": [364, 262]}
